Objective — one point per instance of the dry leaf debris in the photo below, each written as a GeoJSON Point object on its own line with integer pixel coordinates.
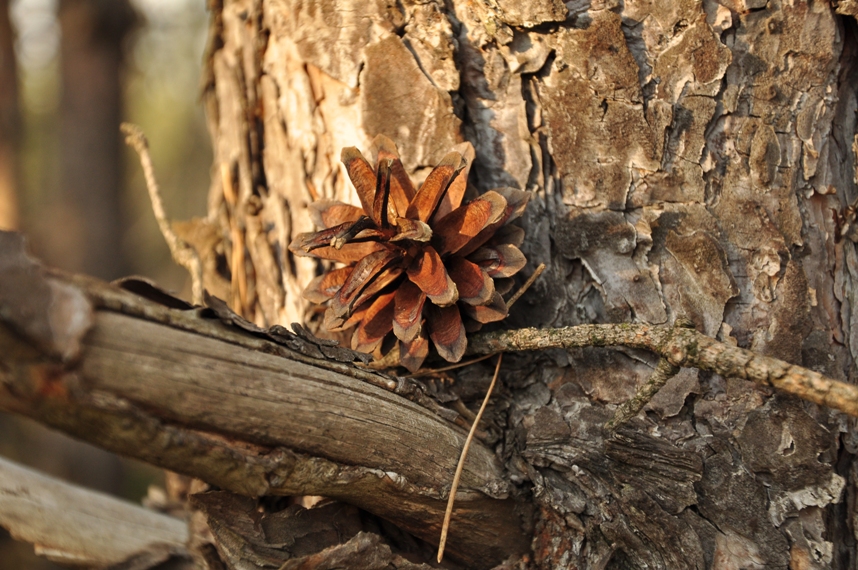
{"type": "Point", "coordinates": [418, 264]}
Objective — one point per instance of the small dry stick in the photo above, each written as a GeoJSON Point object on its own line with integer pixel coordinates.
{"type": "Point", "coordinates": [682, 347]}
{"type": "Point", "coordinates": [451, 499]}
{"type": "Point", "coordinates": [182, 253]}
{"type": "Point", "coordinates": [663, 372]}
{"type": "Point", "coordinates": [431, 371]}
{"type": "Point", "coordinates": [526, 286]}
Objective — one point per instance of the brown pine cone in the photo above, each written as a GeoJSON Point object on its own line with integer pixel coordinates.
{"type": "Point", "coordinates": [403, 248]}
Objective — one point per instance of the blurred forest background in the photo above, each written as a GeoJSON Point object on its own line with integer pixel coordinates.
{"type": "Point", "coordinates": [70, 72]}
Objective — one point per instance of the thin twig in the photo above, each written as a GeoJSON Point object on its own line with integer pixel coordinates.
{"type": "Point", "coordinates": [463, 410]}
{"type": "Point", "coordinates": [454, 487]}
{"type": "Point", "coordinates": [182, 253]}
{"type": "Point", "coordinates": [431, 371]}
{"type": "Point", "coordinates": [682, 347]}
{"type": "Point", "coordinates": [663, 372]}
{"type": "Point", "coordinates": [526, 286]}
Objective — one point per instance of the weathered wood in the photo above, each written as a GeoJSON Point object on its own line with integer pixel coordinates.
{"type": "Point", "coordinates": [251, 416]}
{"type": "Point", "coordinates": [77, 527]}
{"type": "Point", "coordinates": [211, 385]}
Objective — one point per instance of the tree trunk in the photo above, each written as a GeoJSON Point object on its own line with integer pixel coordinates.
{"type": "Point", "coordinates": [687, 160]}
{"type": "Point", "coordinates": [10, 122]}
{"type": "Point", "coordinates": [94, 37]}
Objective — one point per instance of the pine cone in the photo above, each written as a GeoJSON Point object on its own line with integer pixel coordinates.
{"type": "Point", "coordinates": [418, 263]}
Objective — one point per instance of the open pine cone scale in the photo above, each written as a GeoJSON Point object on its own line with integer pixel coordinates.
{"type": "Point", "coordinates": [420, 266]}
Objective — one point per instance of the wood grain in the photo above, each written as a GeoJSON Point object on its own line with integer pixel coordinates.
{"type": "Point", "coordinates": [75, 526]}
{"type": "Point", "coordinates": [265, 399]}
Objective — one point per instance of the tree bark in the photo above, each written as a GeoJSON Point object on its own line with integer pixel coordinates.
{"type": "Point", "coordinates": [687, 159]}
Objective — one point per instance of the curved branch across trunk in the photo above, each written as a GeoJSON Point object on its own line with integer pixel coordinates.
{"type": "Point", "coordinates": [195, 396]}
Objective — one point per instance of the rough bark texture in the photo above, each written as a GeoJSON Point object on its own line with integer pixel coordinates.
{"type": "Point", "coordinates": [687, 159]}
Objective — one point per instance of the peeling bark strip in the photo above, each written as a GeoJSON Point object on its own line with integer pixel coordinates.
{"type": "Point", "coordinates": [682, 347]}
{"type": "Point", "coordinates": [248, 415]}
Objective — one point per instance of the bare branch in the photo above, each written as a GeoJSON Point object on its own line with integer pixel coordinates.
{"type": "Point", "coordinates": [195, 396]}
{"type": "Point", "coordinates": [527, 284]}
{"type": "Point", "coordinates": [89, 529]}
{"type": "Point", "coordinates": [681, 347]}
{"type": "Point", "coordinates": [663, 372]}
{"type": "Point", "coordinates": [182, 253]}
